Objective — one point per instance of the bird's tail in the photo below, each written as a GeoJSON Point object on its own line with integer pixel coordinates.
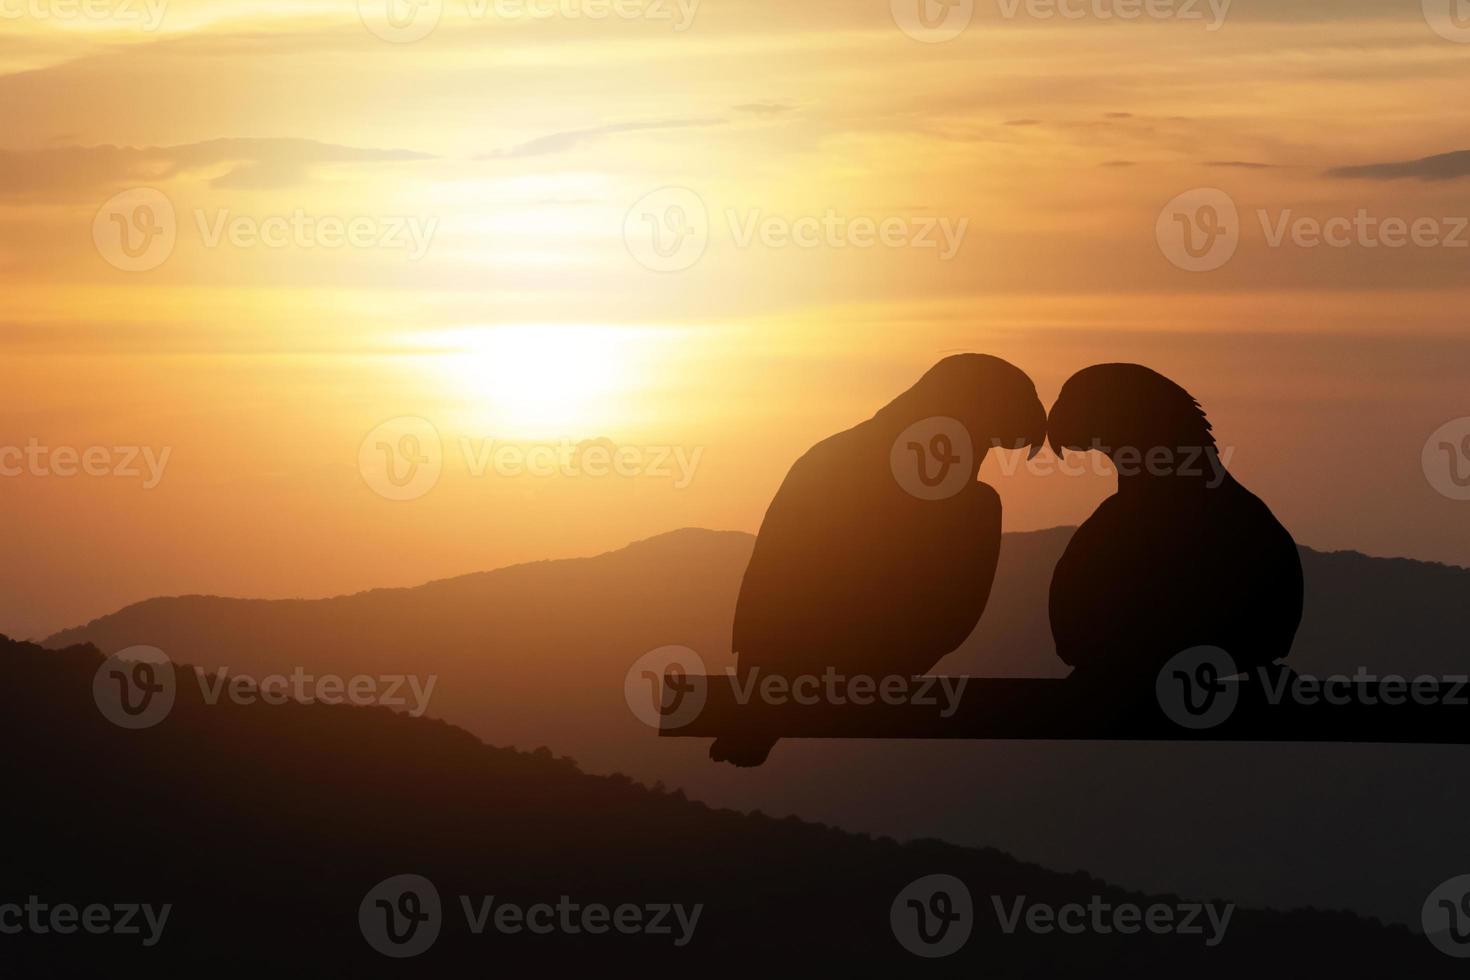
{"type": "Point", "coordinates": [744, 751]}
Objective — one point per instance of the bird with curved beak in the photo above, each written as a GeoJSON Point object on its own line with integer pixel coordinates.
{"type": "Point", "coordinates": [1181, 556]}
{"type": "Point", "coordinates": [877, 554]}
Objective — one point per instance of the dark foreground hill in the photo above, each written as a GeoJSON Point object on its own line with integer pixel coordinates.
{"type": "Point", "coordinates": [537, 655]}
{"type": "Point", "coordinates": [264, 828]}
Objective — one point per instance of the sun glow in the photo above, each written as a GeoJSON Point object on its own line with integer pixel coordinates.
{"type": "Point", "coordinates": [540, 380]}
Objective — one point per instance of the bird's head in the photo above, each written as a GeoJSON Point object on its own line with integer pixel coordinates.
{"type": "Point", "coordinates": [992, 398]}
{"type": "Point", "coordinates": [1112, 407]}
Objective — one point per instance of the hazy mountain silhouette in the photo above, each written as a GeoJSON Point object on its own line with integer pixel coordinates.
{"type": "Point", "coordinates": [537, 654]}
{"type": "Point", "coordinates": [265, 828]}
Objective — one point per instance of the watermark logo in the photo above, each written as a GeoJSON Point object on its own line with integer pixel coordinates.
{"type": "Point", "coordinates": [661, 687]}
{"type": "Point", "coordinates": [572, 459]}
{"type": "Point", "coordinates": [1450, 19]}
{"type": "Point", "coordinates": [678, 13]}
{"type": "Point", "coordinates": [932, 458]}
{"type": "Point", "coordinates": [834, 230]}
{"type": "Point", "coordinates": [933, 916]}
{"type": "Point", "coordinates": [1199, 230]}
{"type": "Point", "coordinates": [932, 21]}
{"type": "Point", "coordinates": [402, 458]}
{"type": "Point", "coordinates": [410, 234]}
{"type": "Point", "coordinates": [1446, 459]}
{"type": "Point", "coordinates": [667, 230]}
{"type": "Point", "coordinates": [1192, 688]}
{"type": "Point", "coordinates": [400, 21]}
{"type": "Point", "coordinates": [575, 918]}
{"type": "Point", "coordinates": [408, 691]}
{"type": "Point", "coordinates": [135, 688]}
{"type": "Point", "coordinates": [147, 15]}
{"type": "Point", "coordinates": [1362, 230]}
{"type": "Point", "coordinates": [401, 916]}
{"type": "Point", "coordinates": [1104, 918]}
{"type": "Point", "coordinates": [1125, 10]}
{"type": "Point", "coordinates": [122, 462]}
{"type": "Point", "coordinates": [1446, 917]}
{"type": "Point", "coordinates": [122, 919]}
{"type": "Point", "coordinates": [136, 230]}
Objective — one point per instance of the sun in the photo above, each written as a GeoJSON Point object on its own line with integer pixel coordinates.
{"type": "Point", "coordinates": [534, 381]}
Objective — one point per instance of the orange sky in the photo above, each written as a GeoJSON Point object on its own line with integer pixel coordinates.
{"type": "Point", "coordinates": [496, 175]}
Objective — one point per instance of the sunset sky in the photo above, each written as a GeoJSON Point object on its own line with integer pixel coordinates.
{"type": "Point", "coordinates": [497, 173]}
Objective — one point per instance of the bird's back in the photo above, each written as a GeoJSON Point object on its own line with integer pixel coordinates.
{"type": "Point", "coordinates": [849, 569]}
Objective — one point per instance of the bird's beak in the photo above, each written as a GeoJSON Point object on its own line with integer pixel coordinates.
{"type": "Point", "coordinates": [1035, 449]}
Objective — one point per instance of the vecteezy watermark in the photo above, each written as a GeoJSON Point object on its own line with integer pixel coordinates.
{"type": "Point", "coordinates": [679, 14]}
{"type": "Point", "coordinates": [136, 688]}
{"type": "Point", "coordinates": [1446, 917]}
{"type": "Point", "coordinates": [1206, 463]}
{"type": "Point", "coordinates": [403, 459]}
{"type": "Point", "coordinates": [1195, 690]}
{"type": "Point", "coordinates": [1450, 19]}
{"type": "Point", "coordinates": [405, 21]}
{"type": "Point", "coordinates": [146, 15]}
{"type": "Point", "coordinates": [665, 686]}
{"type": "Point", "coordinates": [932, 21]}
{"type": "Point", "coordinates": [413, 234]}
{"type": "Point", "coordinates": [1211, 12]}
{"type": "Point", "coordinates": [403, 916]}
{"type": "Point", "coordinates": [40, 918]}
{"type": "Point", "coordinates": [1367, 688]}
{"type": "Point", "coordinates": [400, 21]}
{"type": "Point", "coordinates": [1446, 459]}
{"type": "Point", "coordinates": [138, 229]}
{"type": "Point", "coordinates": [118, 462]}
{"type": "Point", "coordinates": [932, 459]}
{"type": "Point", "coordinates": [1102, 917]}
{"type": "Point", "coordinates": [831, 229]}
{"type": "Point", "coordinates": [592, 458]}
{"type": "Point", "coordinates": [1199, 231]}
{"type": "Point", "coordinates": [932, 916]}
{"type": "Point", "coordinates": [1192, 688]}
{"type": "Point", "coordinates": [407, 691]}
{"type": "Point", "coordinates": [668, 230]}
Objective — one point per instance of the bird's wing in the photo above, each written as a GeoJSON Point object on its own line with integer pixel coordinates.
{"type": "Point", "coordinates": [850, 571]}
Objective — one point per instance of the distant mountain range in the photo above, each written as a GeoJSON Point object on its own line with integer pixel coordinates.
{"type": "Point", "coordinates": [272, 840]}
{"type": "Point", "coordinates": [537, 654]}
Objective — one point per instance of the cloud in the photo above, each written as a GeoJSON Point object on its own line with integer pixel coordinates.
{"type": "Point", "coordinates": [66, 171]}
{"type": "Point", "coordinates": [1442, 166]}
{"type": "Point", "coordinates": [1240, 164]}
{"type": "Point", "coordinates": [563, 141]}
{"type": "Point", "coordinates": [1023, 122]}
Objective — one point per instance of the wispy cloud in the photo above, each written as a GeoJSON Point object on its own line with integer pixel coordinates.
{"type": "Point", "coordinates": [568, 139]}
{"type": "Point", "coordinates": [1442, 166]}
{"type": "Point", "coordinates": [59, 172]}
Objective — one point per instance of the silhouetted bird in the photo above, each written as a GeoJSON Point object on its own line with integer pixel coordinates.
{"type": "Point", "coordinates": [877, 554]}
{"type": "Point", "coordinates": [1181, 555]}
